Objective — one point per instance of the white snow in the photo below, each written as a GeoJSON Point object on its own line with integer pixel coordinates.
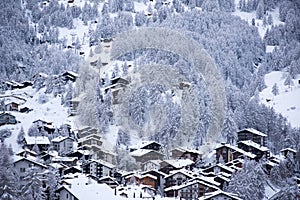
{"type": "Point", "coordinates": [287, 102]}
{"type": "Point", "coordinates": [50, 111]}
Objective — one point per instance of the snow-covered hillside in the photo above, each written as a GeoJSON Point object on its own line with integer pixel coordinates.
{"type": "Point", "coordinates": [287, 101]}
{"type": "Point", "coordinates": [44, 107]}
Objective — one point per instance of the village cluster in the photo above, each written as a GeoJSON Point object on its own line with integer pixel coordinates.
{"type": "Point", "coordinates": [85, 167]}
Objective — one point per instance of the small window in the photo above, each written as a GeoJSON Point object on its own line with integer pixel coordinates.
{"type": "Point", "coordinates": [67, 195]}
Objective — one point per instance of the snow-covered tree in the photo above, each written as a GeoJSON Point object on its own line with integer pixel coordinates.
{"type": "Point", "coordinates": [33, 131]}
{"type": "Point", "coordinates": [34, 187]}
{"type": "Point", "coordinates": [275, 89]}
{"type": "Point", "coordinates": [230, 129]}
{"type": "Point", "coordinates": [260, 10]}
{"type": "Point", "coordinates": [5, 133]}
{"type": "Point", "coordinates": [8, 179]}
{"type": "Point", "coordinates": [251, 175]}
{"type": "Point", "coordinates": [125, 161]}
{"type": "Point", "coordinates": [21, 136]}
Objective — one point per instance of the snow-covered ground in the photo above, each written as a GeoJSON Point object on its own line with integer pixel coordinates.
{"type": "Point", "coordinates": [287, 102]}
{"type": "Point", "coordinates": [51, 111]}
{"type": "Point", "coordinates": [248, 16]}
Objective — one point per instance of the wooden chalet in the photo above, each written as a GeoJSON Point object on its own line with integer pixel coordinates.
{"type": "Point", "coordinates": [254, 148]}
{"type": "Point", "coordinates": [70, 76]}
{"type": "Point", "coordinates": [110, 181]}
{"type": "Point", "coordinates": [12, 106]}
{"type": "Point", "coordinates": [63, 145]}
{"type": "Point", "coordinates": [85, 131]}
{"type": "Point", "coordinates": [170, 165]}
{"type": "Point", "coordinates": [160, 177]}
{"type": "Point", "coordinates": [183, 153]}
{"type": "Point", "coordinates": [72, 170]}
{"type": "Point", "coordinates": [253, 135]}
{"type": "Point", "coordinates": [219, 194]}
{"type": "Point", "coordinates": [179, 177]}
{"type": "Point", "coordinates": [142, 155]}
{"type": "Point", "coordinates": [150, 145]}
{"type": "Point", "coordinates": [98, 168]}
{"type": "Point", "coordinates": [190, 190]}
{"type": "Point", "coordinates": [6, 118]}
{"type": "Point", "coordinates": [41, 141]}
{"type": "Point", "coordinates": [151, 165]}
{"type": "Point", "coordinates": [288, 151]}
{"type": "Point", "coordinates": [229, 153]}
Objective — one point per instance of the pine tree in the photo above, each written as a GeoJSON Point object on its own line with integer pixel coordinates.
{"type": "Point", "coordinates": [8, 179]}
{"type": "Point", "coordinates": [251, 175]}
{"type": "Point", "coordinates": [260, 10]}
{"type": "Point", "coordinates": [230, 129]}
{"type": "Point", "coordinates": [275, 89]}
{"type": "Point", "coordinates": [34, 188]}
{"type": "Point", "coordinates": [21, 136]}
{"type": "Point", "coordinates": [4, 133]}
{"type": "Point", "coordinates": [289, 81]}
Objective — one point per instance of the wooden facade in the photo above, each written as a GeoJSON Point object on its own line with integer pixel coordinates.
{"type": "Point", "coordinates": [6, 118]}
{"type": "Point", "coordinates": [253, 135]}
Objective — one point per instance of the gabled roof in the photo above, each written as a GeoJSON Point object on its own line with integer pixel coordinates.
{"type": "Point", "coordinates": [178, 187]}
{"type": "Point", "coordinates": [289, 149]}
{"type": "Point", "coordinates": [143, 144]}
{"type": "Point", "coordinates": [180, 163]}
{"type": "Point", "coordinates": [19, 159]}
{"type": "Point", "coordinates": [254, 131]}
{"type": "Point", "coordinates": [3, 114]}
{"type": "Point", "coordinates": [181, 171]}
{"type": "Point", "coordinates": [183, 150]}
{"type": "Point", "coordinates": [248, 154]}
{"type": "Point", "coordinates": [220, 192]}
{"type": "Point", "coordinates": [142, 152]}
{"type": "Point", "coordinates": [37, 140]}
{"type": "Point", "coordinates": [254, 145]}
{"type": "Point", "coordinates": [61, 138]}
{"type": "Point", "coordinates": [102, 162]}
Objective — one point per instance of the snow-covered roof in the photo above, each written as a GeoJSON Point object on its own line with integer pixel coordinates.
{"type": "Point", "coordinates": [61, 138]}
{"type": "Point", "coordinates": [185, 149]}
{"type": "Point", "coordinates": [141, 152]}
{"type": "Point", "coordinates": [248, 154]}
{"type": "Point", "coordinates": [225, 167]}
{"type": "Point", "coordinates": [220, 192]}
{"type": "Point", "coordinates": [26, 150]}
{"type": "Point", "coordinates": [178, 187]}
{"type": "Point", "coordinates": [179, 163]}
{"type": "Point", "coordinates": [180, 171]}
{"type": "Point", "coordinates": [32, 160]}
{"type": "Point", "coordinates": [83, 188]}
{"type": "Point", "coordinates": [142, 144]}
{"type": "Point", "coordinates": [149, 175]}
{"type": "Point", "coordinates": [254, 145]}
{"type": "Point", "coordinates": [104, 163]}
{"type": "Point", "coordinates": [289, 149]}
{"type": "Point", "coordinates": [156, 162]}
{"type": "Point", "coordinates": [37, 140]}
{"type": "Point", "coordinates": [254, 131]}
{"type": "Point", "coordinates": [64, 159]}
{"type": "Point", "coordinates": [72, 73]}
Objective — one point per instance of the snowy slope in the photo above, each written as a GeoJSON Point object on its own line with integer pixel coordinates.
{"type": "Point", "coordinates": [287, 102]}
{"type": "Point", "coordinates": [51, 111]}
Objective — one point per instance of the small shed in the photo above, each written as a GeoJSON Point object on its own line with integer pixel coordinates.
{"type": "Point", "coordinates": [12, 106]}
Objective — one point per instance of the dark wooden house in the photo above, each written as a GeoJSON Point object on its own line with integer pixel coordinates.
{"type": "Point", "coordinates": [6, 118]}
{"type": "Point", "coordinates": [253, 135]}
{"type": "Point", "coordinates": [228, 153]}
{"type": "Point", "coordinates": [254, 148]}
{"type": "Point", "coordinates": [183, 153]}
